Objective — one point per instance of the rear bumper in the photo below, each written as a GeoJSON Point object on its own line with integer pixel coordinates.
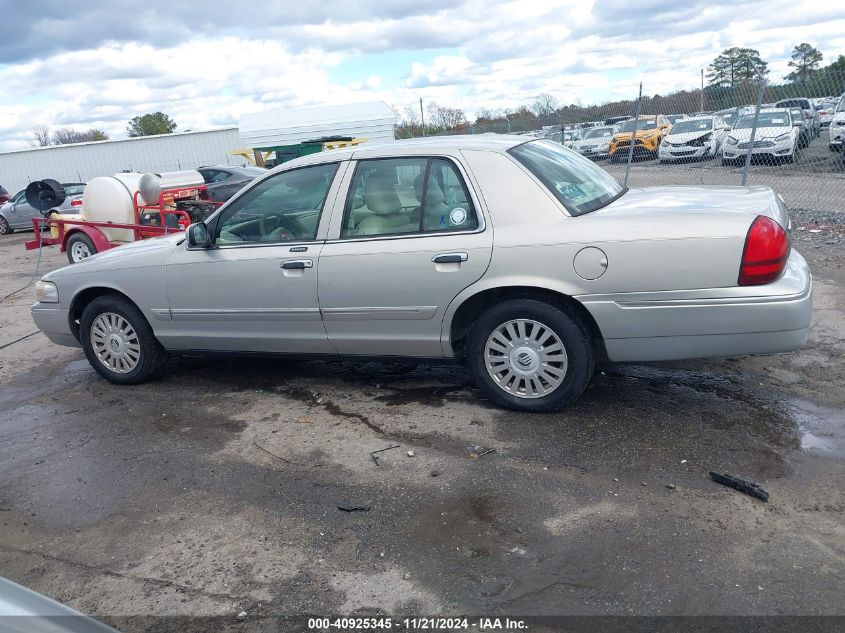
{"type": "Point", "coordinates": [703, 323]}
{"type": "Point", "coordinates": [54, 323]}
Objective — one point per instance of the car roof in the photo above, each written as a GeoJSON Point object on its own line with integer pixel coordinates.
{"type": "Point", "coordinates": [416, 147]}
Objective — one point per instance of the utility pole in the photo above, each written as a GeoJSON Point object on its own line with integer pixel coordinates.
{"type": "Point", "coordinates": [701, 108]}
{"type": "Point", "coordinates": [634, 135]}
{"type": "Point", "coordinates": [422, 117]}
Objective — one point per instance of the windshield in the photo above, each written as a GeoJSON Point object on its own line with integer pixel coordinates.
{"type": "Point", "coordinates": [642, 124]}
{"type": "Point", "coordinates": [767, 119]}
{"type": "Point", "coordinates": [578, 183]}
{"type": "Point", "coordinates": [702, 125]}
{"type": "Point", "coordinates": [599, 132]}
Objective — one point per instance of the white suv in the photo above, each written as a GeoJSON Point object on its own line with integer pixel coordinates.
{"type": "Point", "coordinates": [837, 126]}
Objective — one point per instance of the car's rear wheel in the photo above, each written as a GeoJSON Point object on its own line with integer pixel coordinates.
{"type": "Point", "coordinates": [528, 355]}
{"type": "Point", "coordinates": [79, 247]}
{"type": "Point", "coordinates": [5, 227]}
{"type": "Point", "coordinates": [118, 341]}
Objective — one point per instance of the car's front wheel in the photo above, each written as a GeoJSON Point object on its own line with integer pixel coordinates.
{"type": "Point", "coordinates": [118, 341]}
{"type": "Point", "coordinates": [528, 355]}
{"type": "Point", "coordinates": [5, 227]}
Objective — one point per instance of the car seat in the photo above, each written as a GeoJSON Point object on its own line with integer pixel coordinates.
{"type": "Point", "coordinates": [381, 198]}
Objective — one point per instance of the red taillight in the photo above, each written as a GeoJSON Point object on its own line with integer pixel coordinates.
{"type": "Point", "coordinates": [765, 253]}
{"type": "Point", "coordinates": [76, 203]}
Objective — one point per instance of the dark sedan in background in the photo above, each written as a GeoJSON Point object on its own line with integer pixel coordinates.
{"type": "Point", "coordinates": [224, 181]}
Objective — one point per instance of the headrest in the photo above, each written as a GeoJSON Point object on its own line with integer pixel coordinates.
{"type": "Point", "coordinates": [380, 196]}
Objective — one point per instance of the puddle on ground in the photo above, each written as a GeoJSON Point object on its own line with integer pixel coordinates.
{"type": "Point", "coordinates": [822, 429]}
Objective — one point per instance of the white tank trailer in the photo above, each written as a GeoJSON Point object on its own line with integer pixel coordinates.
{"type": "Point", "coordinates": [110, 198]}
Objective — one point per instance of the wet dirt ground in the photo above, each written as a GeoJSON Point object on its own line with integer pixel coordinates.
{"type": "Point", "coordinates": [215, 490]}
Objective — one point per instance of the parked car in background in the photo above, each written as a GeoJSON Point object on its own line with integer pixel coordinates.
{"type": "Point", "coordinates": [826, 109]}
{"type": "Point", "coordinates": [674, 118]}
{"type": "Point", "coordinates": [570, 137]}
{"type": "Point", "coordinates": [650, 130]}
{"type": "Point", "coordinates": [4, 196]}
{"type": "Point", "coordinates": [17, 213]}
{"type": "Point", "coordinates": [809, 111]}
{"type": "Point", "coordinates": [224, 181]}
{"type": "Point", "coordinates": [837, 126]}
{"type": "Point", "coordinates": [616, 120]}
{"type": "Point", "coordinates": [806, 127]}
{"type": "Point", "coordinates": [700, 137]}
{"type": "Point", "coordinates": [776, 138]}
{"type": "Point", "coordinates": [596, 142]}
{"type": "Point", "coordinates": [730, 115]}
{"type": "Point", "coordinates": [390, 250]}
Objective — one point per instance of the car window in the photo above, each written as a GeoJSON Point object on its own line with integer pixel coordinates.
{"type": "Point", "coordinates": [766, 119]}
{"type": "Point", "coordinates": [699, 125]}
{"type": "Point", "coordinates": [578, 183]}
{"type": "Point", "coordinates": [407, 195]}
{"type": "Point", "coordinates": [207, 174]}
{"type": "Point", "coordinates": [74, 190]}
{"type": "Point", "coordinates": [284, 208]}
{"type": "Point", "coordinates": [447, 205]}
{"type": "Point", "coordinates": [219, 176]}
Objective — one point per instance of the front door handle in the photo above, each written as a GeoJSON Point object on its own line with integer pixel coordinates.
{"type": "Point", "coordinates": [297, 264]}
{"type": "Point", "coordinates": [450, 258]}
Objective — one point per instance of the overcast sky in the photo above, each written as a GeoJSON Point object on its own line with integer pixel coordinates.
{"type": "Point", "coordinates": [81, 64]}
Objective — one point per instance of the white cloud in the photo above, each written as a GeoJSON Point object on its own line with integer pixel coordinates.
{"type": "Point", "coordinates": [90, 67]}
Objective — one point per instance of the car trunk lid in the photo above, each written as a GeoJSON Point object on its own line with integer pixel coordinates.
{"type": "Point", "coordinates": [752, 201]}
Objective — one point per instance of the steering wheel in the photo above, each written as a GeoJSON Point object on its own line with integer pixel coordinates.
{"type": "Point", "coordinates": [280, 224]}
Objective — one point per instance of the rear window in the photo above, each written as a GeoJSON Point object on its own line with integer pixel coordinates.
{"type": "Point", "coordinates": [804, 104]}
{"type": "Point", "coordinates": [579, 184]}
{"type": "Point", "coordinates": [74, 190]}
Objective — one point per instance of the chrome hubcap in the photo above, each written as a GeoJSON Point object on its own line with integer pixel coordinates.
{"type": "Point", "coordinates": [79, 251]}
{"type": "Point", "coordinates": [525, 358]}
{"type": "Point", "coordinates": [115, 343]}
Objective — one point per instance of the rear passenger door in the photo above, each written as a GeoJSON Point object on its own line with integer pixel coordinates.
{"type": "Point", "coordinates": [411, 237]}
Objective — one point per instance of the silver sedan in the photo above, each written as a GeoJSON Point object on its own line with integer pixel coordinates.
{"type": "Point", "coordinates": [515, 256]}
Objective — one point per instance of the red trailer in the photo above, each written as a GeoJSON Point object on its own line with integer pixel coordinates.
{"type": "Point", "coordinates": [83, 238]}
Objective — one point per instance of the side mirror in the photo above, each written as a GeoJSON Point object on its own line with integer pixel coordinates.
{"type": "Point", "coordinates": [198, 236]}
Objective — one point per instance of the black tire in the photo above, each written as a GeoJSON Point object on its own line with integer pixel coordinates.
{"type": "Point", "coordinates": [152, 357]}
{"type": "Point", "coordinates": [84, 242]}
{"type": "Point", "coordinates": [570, 330]}
{"type": "Point", "coordinates": [727, 162]}
{"type": "Point", "coordinates": [5, 228]}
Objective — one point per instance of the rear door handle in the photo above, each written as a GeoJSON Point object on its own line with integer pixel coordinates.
{"type": "Point", "coordinates": [450, 258]}
{"type": "Point", "coordinates": [297, 264]}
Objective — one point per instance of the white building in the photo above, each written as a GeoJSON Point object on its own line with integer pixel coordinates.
{"type": "Point", "coordinates": [80, 162]}
{"type": "Point", "coordinates": [373, 120]}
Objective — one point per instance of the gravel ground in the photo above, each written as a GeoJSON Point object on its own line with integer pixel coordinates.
{"type": "Point", "coordinates": [216, 489]}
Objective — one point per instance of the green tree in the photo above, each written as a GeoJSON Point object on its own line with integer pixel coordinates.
{"type": "Point", "coordinates": [734, 66]}
{"type": "Point", "coordinates": [805, 61]}
{"type": "Point", "coordinates": [151, 124]}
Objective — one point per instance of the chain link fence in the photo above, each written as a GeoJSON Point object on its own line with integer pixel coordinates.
{"type": "Point", "coordinates": [788, 137]}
